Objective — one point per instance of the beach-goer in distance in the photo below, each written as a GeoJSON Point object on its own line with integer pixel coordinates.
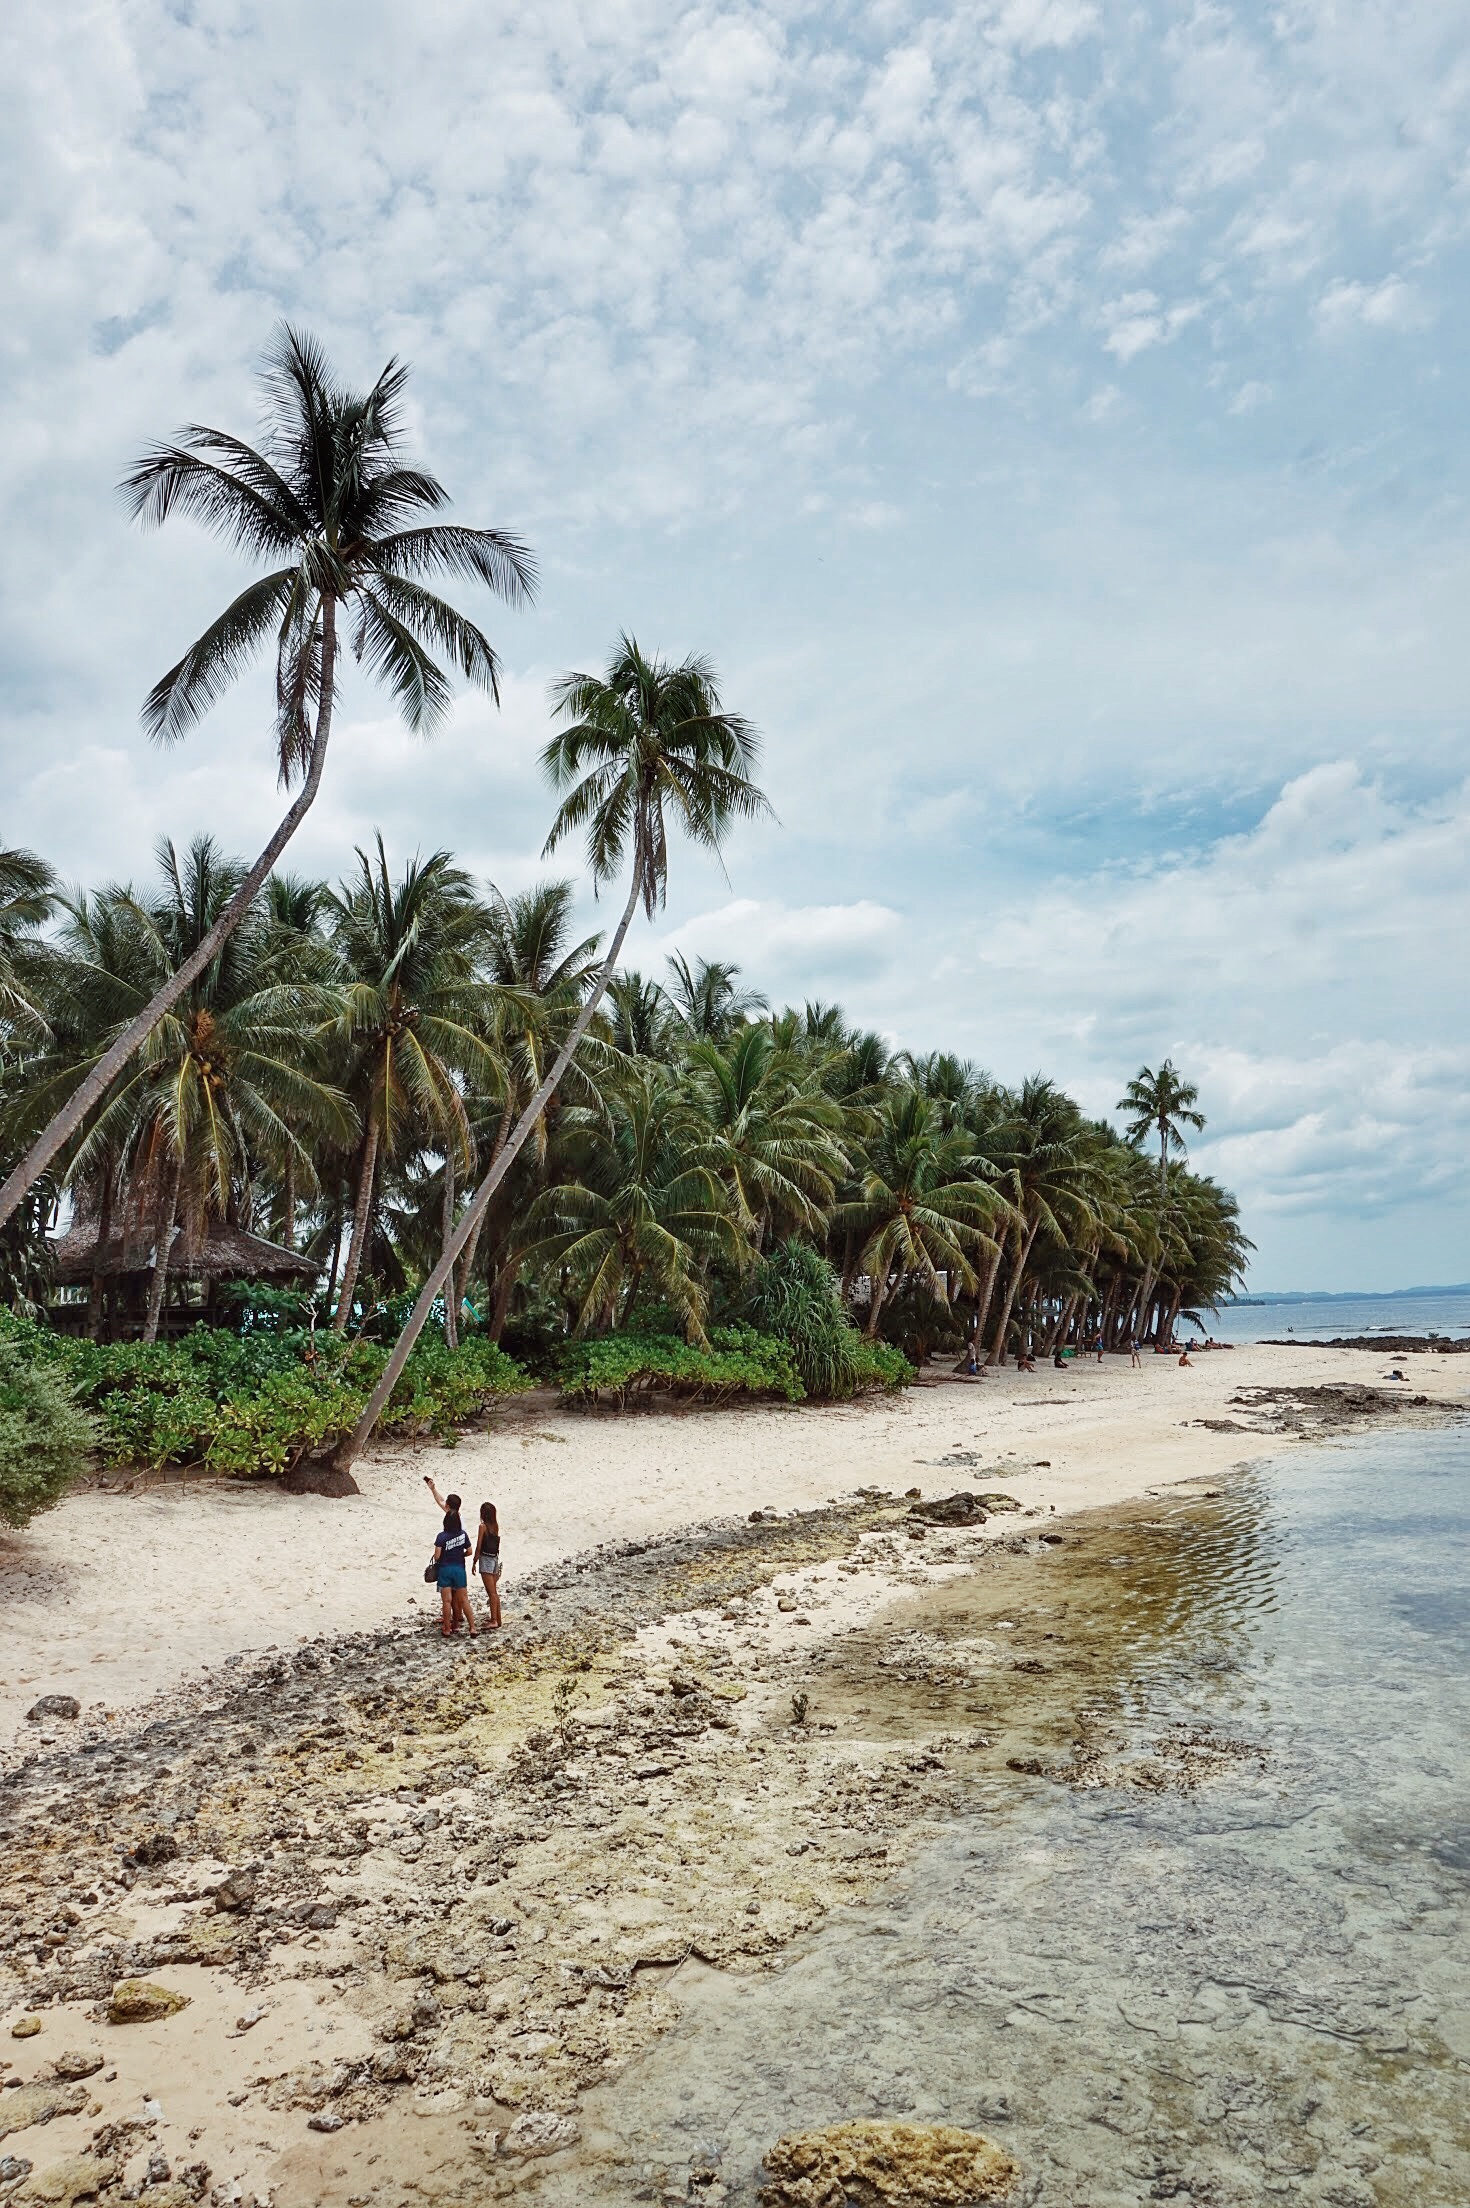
{"type": "Point", "coordinates": [1133, 1356]}
{"type": "Point", "coordinates": [1025, 1362]}
{"type": "Point", "coordinates": [1184, 1356]}
{"type": "Point", "coordinates": [451, 1556]}
{"type": "Point", "coordinates": [487, 1558]}
{"type": "Point", "coordinates": [1058, 1359]}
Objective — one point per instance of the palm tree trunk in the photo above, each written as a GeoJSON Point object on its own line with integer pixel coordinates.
{"type": "Point", "coordinates": [505, 1288]}
{"type": "Point", "coordinates": [1058, 1334]}
{"type": "Point", "coordinates": [987, 1290]}
{"type": "Point", "coordinates": [451, 1299]}
{"type": "Point", "coordinates": [467, 1261]}
{"type": "Point", "coordinates": [997, 1353]}
{"type": "Point", "coordinates": [288, 1203]}
{"type": "Point", "coordinates": [91, 1091]}
{"type": "Point", "coordinates": [104, 1236]}
{"type": "Point", "coordinates": [351, 1448]}
{"type": "Point", "coordinates": [161, 1248]}
{"type": "Point", "coordinates": [361, 1214]}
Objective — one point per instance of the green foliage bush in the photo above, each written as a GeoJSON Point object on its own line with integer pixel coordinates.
{"type": "Point", "coordinates": [740, 1362]}
{"type": "Point", "coordinates": [622, 1367]}
{"type": "Point", "coordinates": [794, 1294]}
{"type": "Point", "coordinates": [253, 1404]}
{"type": "Point", "coordinates": [45, 1437]}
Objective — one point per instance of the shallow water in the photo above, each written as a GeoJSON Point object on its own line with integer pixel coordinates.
{"type": "Point", "coordinates": [1255, 1989]}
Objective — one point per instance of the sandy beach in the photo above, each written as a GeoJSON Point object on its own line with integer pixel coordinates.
{"type": "Point", "coordinates": [116, 1597]}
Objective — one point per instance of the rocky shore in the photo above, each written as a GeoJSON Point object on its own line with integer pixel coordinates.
{"type": "Point", "coordinates": [373, 1922]}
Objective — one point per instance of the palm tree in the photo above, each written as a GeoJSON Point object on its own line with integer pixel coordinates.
{"type": "Point", "coordinates": [1046, 1171]}
{"type": "Point", "coordinates": [772, 1133]}
{"type": "Point", "coordinates": [330, 500]}
{"type": "Point", "coordinates": [640, 742]}
{"type": "Point", "coordinates": [540, 971]}
{"type": "Point", "coordinates": [641, 1019]}
{"type": "Point", "coordinates": [922, 1208]}
{"type": "Point", "coordinates": [27, 901]}
{"type": "Point", "coordinates": [413, 1014]}
{"type": "Point", "coordinates": [1161, 1104]}
{"type": "Point", "coordinates": [707, 1000]}
{"type": "Point", "coordinates": [219, 1085]}
{"type": "Point", "coordinates": [643, 1214]}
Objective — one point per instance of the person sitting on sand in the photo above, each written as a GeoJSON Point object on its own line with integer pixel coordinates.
{"type": "Point", "coordinates": [1025, 1362]}
{"type": "Point", "coordinates": [451, 1554]}
{"type": "Point", "coordinates": [487, 1558]}
{"type": "Point", "coordinates": [1184, 1356]}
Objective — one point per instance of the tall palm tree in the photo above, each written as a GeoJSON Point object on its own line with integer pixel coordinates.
{"type": "Point", "coordinates": [330, 500]}
{"type": "Point", "coordinates": [413, 1016]}
{"type": "Point", "coordinates": [643, 741]}
{"type": "Point", "coordinates": [1161, 1104]}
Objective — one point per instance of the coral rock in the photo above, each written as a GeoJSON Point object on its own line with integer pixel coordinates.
{"type": "Point", "coordinates": [886, 2165]}
{"type": "Point", "coordinates": [140, 2001]}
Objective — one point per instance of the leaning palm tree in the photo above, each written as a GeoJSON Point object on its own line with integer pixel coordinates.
{"type": "Point", "coordinates": [643, 741]}
{"type": "Point", "coordinates": [330, 501]}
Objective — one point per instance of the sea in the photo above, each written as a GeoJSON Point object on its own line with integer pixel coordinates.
{"type": "Point", "coordinates": [1251, 1990]}
{"type": "Point", "coordinates": [1320, 1318]}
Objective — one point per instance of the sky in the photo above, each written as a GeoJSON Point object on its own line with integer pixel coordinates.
{"type": "Point", "coordinates": [1047, 415]}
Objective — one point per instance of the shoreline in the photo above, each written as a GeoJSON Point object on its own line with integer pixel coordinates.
{"type": "Point", "coordinates": [118, 1598]}
{"type": "Point", "coordinates": [620, 1788]}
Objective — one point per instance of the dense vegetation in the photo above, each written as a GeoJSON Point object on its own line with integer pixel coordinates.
{"type": "Point", "coordinates": [336, 1077]}
{"type": "Point", "coordinates": [483, 1131]}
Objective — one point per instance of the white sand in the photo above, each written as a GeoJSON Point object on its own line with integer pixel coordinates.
{"type": "Point", "coordinates": [116, 1597]}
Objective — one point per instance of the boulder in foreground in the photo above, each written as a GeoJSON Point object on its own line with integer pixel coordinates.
{"type": "Point", "coordinates": [886, 2165]}
{"type": "Point", "coordinates": [140, 2001]}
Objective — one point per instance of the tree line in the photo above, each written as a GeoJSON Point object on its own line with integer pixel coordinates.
{"type": "Point", "coordinates": [427, 1084]}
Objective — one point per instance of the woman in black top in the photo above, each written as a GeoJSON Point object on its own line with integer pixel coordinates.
{"type": "Point", "coordinates": [487, 1558]}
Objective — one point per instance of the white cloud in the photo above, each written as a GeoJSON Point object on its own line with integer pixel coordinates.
{"type": "Point", "coordinates": [1139, 320]}
{"type": "Point", "coordinates": [1392, 304]}
{"type": "Point", "coordinates": [696, 292]}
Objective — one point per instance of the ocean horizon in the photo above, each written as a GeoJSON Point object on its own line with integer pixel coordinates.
{"type": "Point", "coordinates": [1303, 1316]}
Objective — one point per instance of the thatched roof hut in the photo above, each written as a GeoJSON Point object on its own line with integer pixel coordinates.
{"type": "Point", "coordinates": [218, 1252]}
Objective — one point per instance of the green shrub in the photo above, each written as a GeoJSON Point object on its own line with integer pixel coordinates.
{"type": "Point", "coordinates": [45, 1437]}
{"type": "Point", "coordinates": [254, 1404]}
{"type": "Point", "coordinates": [793, 1293]}
{"type": "Point", "coordinates": [622, 1367]}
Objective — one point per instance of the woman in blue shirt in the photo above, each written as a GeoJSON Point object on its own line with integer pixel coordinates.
{"type": "Point", "coordinates": [451, 1558]}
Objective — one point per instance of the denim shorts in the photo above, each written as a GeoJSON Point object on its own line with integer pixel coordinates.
{"type": "Point", "coordinates": [452, 1575]}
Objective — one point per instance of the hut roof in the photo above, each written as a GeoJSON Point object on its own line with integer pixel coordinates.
{"type": "Point", "coordinates": [220, 1253]}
